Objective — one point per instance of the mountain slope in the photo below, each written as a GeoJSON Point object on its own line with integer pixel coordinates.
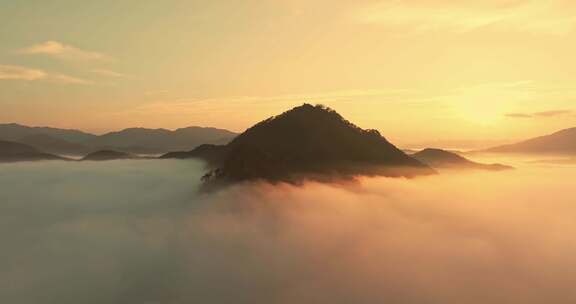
{"type": "Point", "coordinates": [310, 142]}
{"type": "Point", "coordinates": [441, 159]}
{"type": "Point", "coordinates": [12, 152]}
{"type": "Point", "coordinates": [561, 142]}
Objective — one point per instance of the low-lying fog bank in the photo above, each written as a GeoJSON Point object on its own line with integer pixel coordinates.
{"type": "Point", "coordinates": [137, 232]}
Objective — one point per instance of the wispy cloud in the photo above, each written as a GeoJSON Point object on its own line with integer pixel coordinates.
{"type": "Point", "coordinates": [14, 72]}
{"type": "Point", "coordinates": [518, 115]}
{"type": "Point", "coordinates": [62, 51]}
{"type": "Point", "coordinates": [552, 113]}
{"type": "Point", "coordinates": [534, 16]}
{"type": "Point", "coordinates": [183, 104]}
{"type": "Point", "coordinates": [61, 78]}
{"type": "Point", "coordinates": [108, 73]}
{"type": "Point", "coordinates": [543, 114]}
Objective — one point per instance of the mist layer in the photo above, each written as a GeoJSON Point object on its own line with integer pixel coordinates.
{"type": "Point", "coordinates": [139, 232]}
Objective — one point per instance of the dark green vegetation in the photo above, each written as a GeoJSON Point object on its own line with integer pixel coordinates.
{"type": "Point", "coordinates": [441, 159]}
{"type": "Point", "coordinates": [307, 142]}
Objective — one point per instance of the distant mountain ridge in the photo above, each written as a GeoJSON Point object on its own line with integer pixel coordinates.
{"type": "Point", "coordinates": [305, 142]}
{"type": "Point", "coordinates": [15, 132]}
{"type": "Point", "coordinates": [55, 145]}
{"type": "Point", "coordinates": [142, 140]}
{"type": "Point", "coordinates": [131, 140]}
{"type": "Point", "coordinates": [561, 142]}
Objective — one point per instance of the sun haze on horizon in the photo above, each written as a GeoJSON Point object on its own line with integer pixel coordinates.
{"type": "Point", "coordinates": [419, 71]}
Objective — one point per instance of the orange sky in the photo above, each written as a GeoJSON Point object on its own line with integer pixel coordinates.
{"type": "Point", "coordinates": [419, 71]}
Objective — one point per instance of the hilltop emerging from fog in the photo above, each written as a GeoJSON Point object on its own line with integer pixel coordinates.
{"type": "Point", "coordinates": [442, 159]}
{"type": "Point", "coordinates": [305, 142]}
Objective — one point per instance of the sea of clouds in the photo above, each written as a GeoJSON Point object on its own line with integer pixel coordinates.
{"type": "Point", "coordinates": [140, 232]}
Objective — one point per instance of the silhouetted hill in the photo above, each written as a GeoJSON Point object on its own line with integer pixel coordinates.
{"type": "Point", "coordinates": [54, 145]}
{"type": "Point", "coordinates": [12, 152]}
{"type": "Point", "coordinates": [561, 142]}
{"type": "Point", "coordinates": [308, 142]}
{"type": "Point", "coordinates": [108, 155]}
{"type": "Point", "coordinates": [440, 159]}
{"type": "Point", "coordinates": [141, 140]}
{"type": "Point", "coordinates": [213, 154]}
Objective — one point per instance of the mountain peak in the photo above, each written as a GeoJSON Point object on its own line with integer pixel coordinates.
{"type": "Point", "coordinates": [308, 118]}
{"type": "Point", "coordinates": [308, 142]}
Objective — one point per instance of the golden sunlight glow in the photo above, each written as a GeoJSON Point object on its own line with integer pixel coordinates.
{"type": "Point", "coordinates": [412, 69]}
{"type": "Point", "coordinates": [489, 103]}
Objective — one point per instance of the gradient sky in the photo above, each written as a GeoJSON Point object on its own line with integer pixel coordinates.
{"type": "Point", "coordinates": [419, 71]}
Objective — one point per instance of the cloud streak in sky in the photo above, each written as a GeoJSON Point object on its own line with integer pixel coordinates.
{"type": "Point", "coordinates": [63, 51]}
{"type": "Point", "coordinates": [544, 114]}
{"type": "Point", "coordinates": [108, 73]}
{"type": "Point", "coordinates": [14, 72]}
{"type": "Point", "coordinates": [541, 17]}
